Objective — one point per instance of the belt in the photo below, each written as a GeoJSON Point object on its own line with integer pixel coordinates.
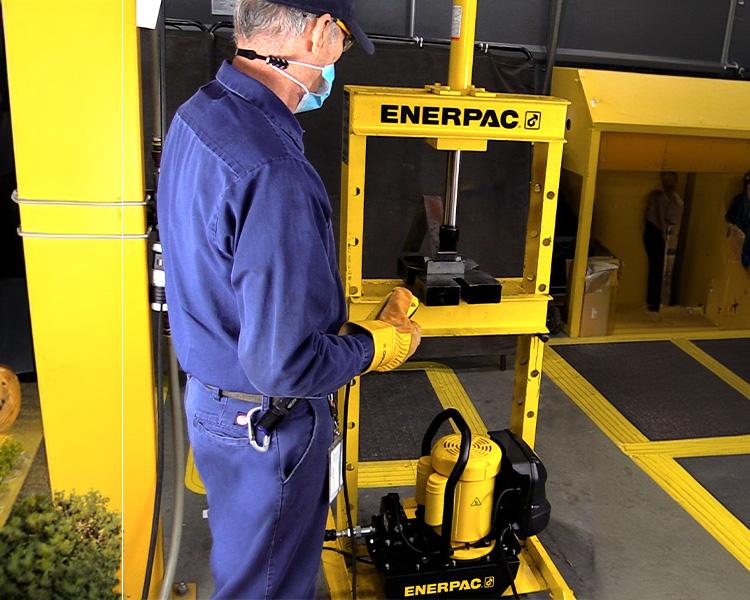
{"type": "Point", "coordinates": [254, 398]}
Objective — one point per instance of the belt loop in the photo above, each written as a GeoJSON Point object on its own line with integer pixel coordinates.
{"type": "Point", "coordinates": [265, 403]}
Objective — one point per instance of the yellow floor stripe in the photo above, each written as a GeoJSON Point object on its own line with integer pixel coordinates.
{"type": "Point", "coordinates": [387, 473]}
{"type": "Point", "coordinates": [656, 458]}
{"type": "Point", "coordinates": [713, 365]}
{"type": "Point", "coordinates": [334, 567]}
{"type": "Point", "coordinates": [193, 480]}
{"type": "Point", "coordinates": [716, 446]}
{"type": "Point", "coordinates": [590, 401]}
{"type": "Point", "coordinates": [558, 588]}
{"type": "Point", "coordinates": [450, 392]}
{"type": "Point", "coordinates": [655, 336]}
{"type": "Point", "coordinates": [729, 531]}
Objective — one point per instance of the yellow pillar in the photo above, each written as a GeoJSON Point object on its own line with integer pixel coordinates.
{"type": "Point", "coordinates": [73, 70]}
{"type": "Point", "coordinates": [353, 214]}
{"type": "Point", "coordinates": [528, 382]}
{"type": "Point", "coordinates": [461, 63]}
{"type": "Point", "coordinates": [583, 239]}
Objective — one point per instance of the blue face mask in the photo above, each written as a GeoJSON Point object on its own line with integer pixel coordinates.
{"type": "Point", "coordinates": [312, 100]}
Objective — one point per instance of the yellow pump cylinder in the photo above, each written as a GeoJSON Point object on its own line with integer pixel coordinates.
{"type": "Point", "coordinates": [434, 497]}
{"type": "Point", "coordinates": [463, 23]}
{"type": "Point", "coordinates": [424, 470]}
{"type": "Point", "coordinates": [472, 513]}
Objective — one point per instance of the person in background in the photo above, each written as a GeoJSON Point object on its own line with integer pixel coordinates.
{"type": "Point", "coordinates": [738, 216]}
{"type": "Point", "coordinates": [662, 233]}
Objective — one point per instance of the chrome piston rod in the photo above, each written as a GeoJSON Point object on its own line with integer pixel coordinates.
{"type": "Point", "coordinates": [451, 188]}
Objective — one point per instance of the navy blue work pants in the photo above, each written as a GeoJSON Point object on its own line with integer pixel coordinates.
{"type": "Point", "coordinates": [267, 512]}
{"type": "Point", "coordinates": [653, 240]}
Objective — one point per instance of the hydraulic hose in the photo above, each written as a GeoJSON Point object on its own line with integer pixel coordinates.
{"type": "Point", "coordinates": [158, 73]}
{"type": "Point", "coordinates": [159, 455]}
{"type": "Point", "coordinates": [178, 440]}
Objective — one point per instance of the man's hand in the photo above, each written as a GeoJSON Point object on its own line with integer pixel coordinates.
{"type": "Point", "coordinates": [395, 336]}
{"type": "Point", "coordinates": [401, 304]}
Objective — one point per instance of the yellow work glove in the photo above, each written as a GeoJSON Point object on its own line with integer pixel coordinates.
{"type": "Point", "coordinates": [394, 335]}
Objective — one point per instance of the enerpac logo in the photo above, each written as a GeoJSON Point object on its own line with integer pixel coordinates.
{"type": "Point", "coordinates": [444, 587]}
{"type": "Point", "coordinates": [460, 117]}
{"type": "Point", "coordinates": [533, 119]}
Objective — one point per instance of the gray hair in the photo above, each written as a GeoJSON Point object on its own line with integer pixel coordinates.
{"type": "Point", "coordinates": [260, 17]}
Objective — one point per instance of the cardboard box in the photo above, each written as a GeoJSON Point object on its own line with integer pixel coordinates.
{"type": "Point", "coordinates": [600, 295]}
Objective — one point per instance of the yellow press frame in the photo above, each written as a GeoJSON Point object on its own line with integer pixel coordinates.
{"type": "Point", "coordinates": [369, 111]}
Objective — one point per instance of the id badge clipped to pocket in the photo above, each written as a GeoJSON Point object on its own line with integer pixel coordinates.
{"type": "Point", "coordinates": [335, 468]}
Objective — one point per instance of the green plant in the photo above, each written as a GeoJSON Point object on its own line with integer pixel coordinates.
{"type": "Point", "coordinates": [10, 452]}
{"type": "Point", "coordinates": [66, 547]}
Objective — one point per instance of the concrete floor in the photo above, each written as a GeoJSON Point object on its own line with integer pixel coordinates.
{"type": "Point", "coordinates": [614, 534]}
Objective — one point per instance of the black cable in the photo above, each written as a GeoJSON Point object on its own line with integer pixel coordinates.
{"type": "Point", "coordinates": [180, 23]}
{"type": "Point", "coordinates": [163, 70]}
{"type": "Point", "coordinates": [274, 61]}
{"type": "Point", "coordinates": [159, 454]}
{"type": "Point", "coordinates": [504, 560]}
{"type": "Point", "coordinates": [220, 25]}
{"type": "Point", "coordinates": [361, 559]}
{"type": "Point", "coordinates": [346, 493]}
{"type": "Point", "coordinates": [498, 503]}
{"type": "Point", "coordinates": [413, 548]}
{"type": "Point", "coordinates": [422, 42]}
{"type": "Point", "coordinates": [159, 297]}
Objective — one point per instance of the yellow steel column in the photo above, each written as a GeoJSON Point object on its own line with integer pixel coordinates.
{"type": "Point", "coordinates": [75, 99]}
{"type": "Point", "coordinates": [540, 228]}
{"type": "Point", "coordinates": [528, 381]}
{"type": "Point", "coordinates": [547, 219]}
{"type": "Point", "coordinates": [583, 237]}
{"type": "Point", "coordinates": [351, 468]}
{"type": "Point", "coordinates": [350, 258]}
{"type": "Point", "coordinates": [461, 63]}
{"type": "Point", "coordinates": [352, 215]}
{"type": "Point", "coordinates": [532, 256]}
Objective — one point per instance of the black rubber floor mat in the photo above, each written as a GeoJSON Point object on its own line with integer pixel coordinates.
{"type": "Point", "coordinates": [733, 354]}
{"type": "Point", "coordinates": [661, 390]}
{"type": "Point", "coordinates": [395, 410]}
{"type": "Point", "coordinates": [727, 478]}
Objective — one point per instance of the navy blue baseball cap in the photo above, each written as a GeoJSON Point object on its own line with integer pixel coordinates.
{"type": "Point", "coordinates": [338, 9]}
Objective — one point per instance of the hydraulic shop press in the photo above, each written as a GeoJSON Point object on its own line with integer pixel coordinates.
{"type": "Point", "coordinates": [457, 298]}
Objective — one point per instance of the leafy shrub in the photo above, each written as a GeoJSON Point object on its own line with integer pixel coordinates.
{"type": "Point", "coordinates": [10, 453]}
{"type": "Point", "coordinates": [67, 547]}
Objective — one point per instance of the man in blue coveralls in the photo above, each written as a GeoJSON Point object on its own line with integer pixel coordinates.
{"type": "Point", "coordinates": [256, 303]}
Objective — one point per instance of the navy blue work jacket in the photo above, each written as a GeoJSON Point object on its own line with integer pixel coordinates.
{"type": "Point", "coordinates": [254, 293]}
